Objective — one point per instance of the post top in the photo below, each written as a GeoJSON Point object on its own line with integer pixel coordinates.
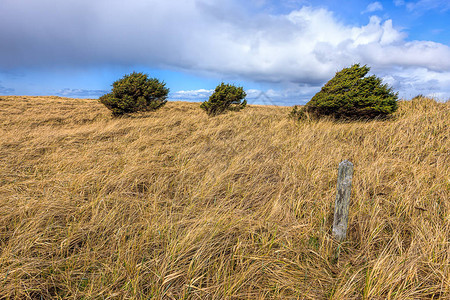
{"type": "Point", "coordinates": [346, 162]}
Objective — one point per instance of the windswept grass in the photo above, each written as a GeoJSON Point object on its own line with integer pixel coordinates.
{"type": "Point", "coordinates": [173, 204]}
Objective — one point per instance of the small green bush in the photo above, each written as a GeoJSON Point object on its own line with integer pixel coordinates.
{"type": "Point", "coordinates": [225, 97]}
{"type": "Point", "coordinates": [135, 92]}
{"type": "Point", "coordinates": [351, 95]}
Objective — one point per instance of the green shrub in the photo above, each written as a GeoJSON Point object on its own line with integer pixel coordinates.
{"type": "Point", "coordinates": [297, 112]}
{"type": "Point", "coordinates": [135, 92]}
{"type": "Point", "coordinates": [351, 95]}
{"type": "Point", "coordinates": [225, 97]}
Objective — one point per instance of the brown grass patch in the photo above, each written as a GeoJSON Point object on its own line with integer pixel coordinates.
{"type": "Point", "coordinates": [173, 204]}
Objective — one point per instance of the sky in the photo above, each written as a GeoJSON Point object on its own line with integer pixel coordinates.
{"type": "Point", "coordinates": [281, 52]}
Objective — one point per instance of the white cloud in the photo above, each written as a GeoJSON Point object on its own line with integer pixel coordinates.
{"type": "Point", "coordinates": [191, 95]}
{"type": "Point", "coordinates": [414, 81]}
{"type": "Point", "coordinates": [83, 93]}
{"type": "Point", "coordinates": [5, 90]}
{"type": "Point", "coordinates": [302, 48]}
{"type": "Point", "coordinates": [424, 5]}
{"type": "Point", "coordinates": [399, 2]}
{"type": "Point", "coordinates": [372, 7]}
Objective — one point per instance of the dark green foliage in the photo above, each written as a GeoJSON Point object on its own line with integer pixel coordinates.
{"type": "Point", "coordinates": [225, 97]}
{"type": "Point", "coordinates": [297, 113]}
{"type": "Point", "coordinates": [135, 92]}
{"type": "Point", "coordinates": [351, 95]}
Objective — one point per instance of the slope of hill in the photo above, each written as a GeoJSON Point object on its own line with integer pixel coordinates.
{"type": "Point", "coordinates": [173, 204]}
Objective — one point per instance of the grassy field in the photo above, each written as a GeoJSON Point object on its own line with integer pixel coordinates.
{"type": "Point", "coordinates": [173, 204]}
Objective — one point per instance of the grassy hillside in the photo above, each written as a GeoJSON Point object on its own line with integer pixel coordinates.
{"type": "Point", "coordinates": [176, 205]}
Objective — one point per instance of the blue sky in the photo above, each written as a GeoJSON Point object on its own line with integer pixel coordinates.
{"type": "Point", "coordinates": [282, 52]}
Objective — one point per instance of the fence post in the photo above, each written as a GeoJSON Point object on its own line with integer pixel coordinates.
{"type": "Point", "coordinates": [344, 185]}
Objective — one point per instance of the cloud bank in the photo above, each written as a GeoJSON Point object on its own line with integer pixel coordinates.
{"type": "Point", "coordinates": [81, 93]}
{"type": "Point", "coordinates": [424, 5]}
{"type": "Point", "coordinates": [304, 47]}
{"type": "Point", "coordinates": [5, 90]}
{"type": "Point", "coordinates": [191, 95]}
{"type": "Point", "coordinates": [287, 96]}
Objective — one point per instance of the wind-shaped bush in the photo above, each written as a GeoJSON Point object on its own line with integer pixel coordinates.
{"type": "Point", "coordinates": [225, 97]}
{"type": "Point", "coordinates": [351, 95]}
{"type": "Point", "coordinates": [135, 92]}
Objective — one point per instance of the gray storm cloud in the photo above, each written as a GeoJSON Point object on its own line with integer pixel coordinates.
{"type": "Point", "coordinates": [305, 46]}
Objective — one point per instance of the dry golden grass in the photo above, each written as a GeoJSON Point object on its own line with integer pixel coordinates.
{"type": "Point", "coordinates": [176, 205]}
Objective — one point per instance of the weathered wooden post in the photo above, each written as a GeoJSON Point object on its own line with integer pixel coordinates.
{"type": "Point", "coordinates": [344, 185]}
